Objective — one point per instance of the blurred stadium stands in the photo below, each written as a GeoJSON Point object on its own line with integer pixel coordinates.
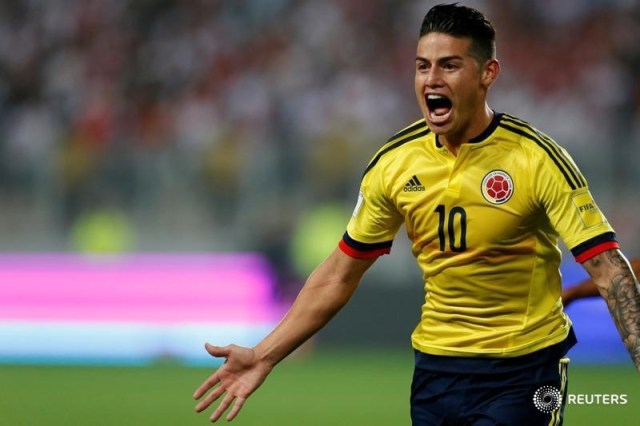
{"type": "Point", "coordinates": [138, 126]}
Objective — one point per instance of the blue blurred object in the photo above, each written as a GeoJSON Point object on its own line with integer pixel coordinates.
{"type": "Point", "coordinates": [598, 338]}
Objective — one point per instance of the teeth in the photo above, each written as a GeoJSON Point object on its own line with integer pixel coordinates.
{"type": "Point", "coordinates": [431, 96]}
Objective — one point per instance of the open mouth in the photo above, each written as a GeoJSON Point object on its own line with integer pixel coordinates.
{"type": "Point", "coordinates": [439, 107]}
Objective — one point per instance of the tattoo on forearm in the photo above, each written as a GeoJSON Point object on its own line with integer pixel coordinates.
{"type": "Point", "coordinates": [594, 262]}
{"type": "Point", "coordinates": [624, 304]}
{"type": "Point", "coordinates": [617, 259]}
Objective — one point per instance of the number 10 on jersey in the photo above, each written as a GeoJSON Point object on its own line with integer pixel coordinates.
{"type": "Point", "coordinates": [455, 224]}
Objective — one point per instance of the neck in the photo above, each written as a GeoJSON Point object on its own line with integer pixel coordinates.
{"type": "Point", "coordinates": [478, 124]}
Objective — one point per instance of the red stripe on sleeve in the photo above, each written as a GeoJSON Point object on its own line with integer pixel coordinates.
{"type": "Point", "coordinates": [359, 254]}
{"type": "Point", "coordinates": [593, 251]}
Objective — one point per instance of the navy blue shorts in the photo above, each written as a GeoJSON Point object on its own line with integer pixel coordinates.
{"type": "Point", "coordinates": [522, 391]}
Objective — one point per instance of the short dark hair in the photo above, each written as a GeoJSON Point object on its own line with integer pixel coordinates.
{"type": "Point", "coordinates": [462, 21]}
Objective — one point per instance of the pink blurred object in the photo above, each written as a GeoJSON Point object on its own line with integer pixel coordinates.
{"type": "Point", "coordinates": [150, 288]}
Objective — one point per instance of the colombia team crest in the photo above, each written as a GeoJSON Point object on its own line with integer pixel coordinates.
{"type": "Point", "coordinates": [497, 187]}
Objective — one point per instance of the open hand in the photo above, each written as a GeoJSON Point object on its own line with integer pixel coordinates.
{"type": "Point", "coordinates": [240, 375]}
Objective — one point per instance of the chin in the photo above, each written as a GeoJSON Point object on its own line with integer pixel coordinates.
{"type": "Point", "coordinates": [440, 129]}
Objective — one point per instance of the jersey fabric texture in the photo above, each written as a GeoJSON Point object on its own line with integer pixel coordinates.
{"type": "Point", "coordinates": [484, 226]}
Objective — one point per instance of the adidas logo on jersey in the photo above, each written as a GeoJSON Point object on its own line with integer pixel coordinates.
{"type": "Point", "coordinates": [413, 185]}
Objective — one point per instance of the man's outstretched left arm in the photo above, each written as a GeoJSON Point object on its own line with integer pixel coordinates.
{"type": "Point", "coordinates": [619, 287]}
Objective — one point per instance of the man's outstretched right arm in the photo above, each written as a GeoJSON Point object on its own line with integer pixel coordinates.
{"type": "Point", "coordinates": [325, 292]}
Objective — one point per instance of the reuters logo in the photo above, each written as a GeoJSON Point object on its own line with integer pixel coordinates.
{"type": "Point", "coordinates": [497, 187]}
{"type": "Point", "coordinates": [547, 399]}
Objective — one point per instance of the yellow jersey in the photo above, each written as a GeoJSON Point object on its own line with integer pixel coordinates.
{"type": "Point", "coordinates": [484, 227]}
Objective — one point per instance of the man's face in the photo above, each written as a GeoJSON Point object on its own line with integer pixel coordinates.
{"type": "Point", "coordinates": [449, 84]}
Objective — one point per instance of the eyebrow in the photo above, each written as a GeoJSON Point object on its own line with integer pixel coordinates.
{"type": "Point", "coordinates": [443, 59]}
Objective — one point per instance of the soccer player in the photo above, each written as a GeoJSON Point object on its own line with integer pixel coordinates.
{"type": "Point", "coordinates": [485, 198]}
{"type": "Point", "coordinates": [588, 288]}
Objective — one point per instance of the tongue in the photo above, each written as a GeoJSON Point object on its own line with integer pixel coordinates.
{"type": "Point", "coordinates": [441, 111]}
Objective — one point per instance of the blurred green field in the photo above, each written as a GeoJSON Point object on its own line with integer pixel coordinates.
{"type": "Point", "coordinates": [326, 388]}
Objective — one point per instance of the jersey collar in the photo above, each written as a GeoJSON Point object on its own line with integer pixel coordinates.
{"type": "Point", "coordinates": [485, 133]}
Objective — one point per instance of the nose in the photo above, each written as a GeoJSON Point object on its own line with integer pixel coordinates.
{"type": "Point", "coordinates": [433, 78]}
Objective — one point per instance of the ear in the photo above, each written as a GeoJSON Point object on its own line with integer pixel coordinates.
{"type": "Point", "coordinates": [490, 72]}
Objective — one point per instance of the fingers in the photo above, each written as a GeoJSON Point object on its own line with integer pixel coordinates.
{"type": "Point", "coordinates": [206, 385]}
{"type": "Point", "coordinates": [236, 408]}
{"type": "Point", "coordinates": [218, 351]}
{"type": "Point", "coordinates": [215, 394]}
{"type": "Point", "coordinates": [226, 402]}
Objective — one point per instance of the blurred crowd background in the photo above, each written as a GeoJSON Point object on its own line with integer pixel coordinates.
{"type": "Point", "coordinates": [168, 125]}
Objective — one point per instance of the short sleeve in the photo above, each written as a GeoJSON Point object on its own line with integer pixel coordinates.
{"type": "Point", "coordinates": [375, 220]}
{"type": "Point", "coordinates": [572, 210]}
